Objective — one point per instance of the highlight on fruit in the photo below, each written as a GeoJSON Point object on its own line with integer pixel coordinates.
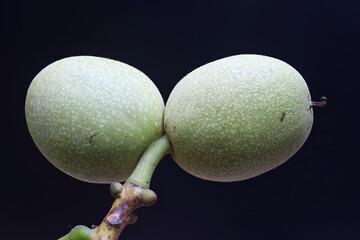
{"type": "Point", "coordinates": [103, 121]}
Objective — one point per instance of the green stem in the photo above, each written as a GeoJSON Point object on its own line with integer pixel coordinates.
{"type": "Point", "coordinates": [66, 237]}
{"type": "Point", "coordinates": [148, 162]}
{"type": "Point", "coordinates": [79, 232]}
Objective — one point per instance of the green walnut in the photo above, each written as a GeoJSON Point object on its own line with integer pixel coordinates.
{"type": "Point", "coordinates": [93, 117]}
{"type": "Point", "coordinates": [238, 117]}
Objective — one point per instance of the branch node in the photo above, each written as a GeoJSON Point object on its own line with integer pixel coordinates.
{"type": "Point", "coordinates": [147, 197]}
{"type": "Point", "coordinates": [113, 219]}
{"type": "Point", "coordinates": [134, 218]}
{"type": "Point", "coordinates": [115, 189]}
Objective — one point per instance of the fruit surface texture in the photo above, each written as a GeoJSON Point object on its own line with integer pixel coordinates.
{"type": "Point", "coordinates": [93, 117]}
{"type": "Point", "coordinates": [238, 117]}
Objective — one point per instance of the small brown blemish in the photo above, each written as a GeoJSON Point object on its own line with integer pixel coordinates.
{"type": "Point", "coordinates": [283, 115]}
{"type": "Point", "coordinates": [174, 128]}
{"type": "Point", "coordinates": [91, 138]}
{"type": "Point", "coordinates": [238, 130]}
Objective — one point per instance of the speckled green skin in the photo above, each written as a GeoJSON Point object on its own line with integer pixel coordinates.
{"type": "Point", "coordinates": [238, 117]}
{"type": "Point", "coordinates": [93, 117]}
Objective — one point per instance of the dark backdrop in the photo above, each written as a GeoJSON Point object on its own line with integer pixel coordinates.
{"type": "Point", "coordinates": [315, 195]}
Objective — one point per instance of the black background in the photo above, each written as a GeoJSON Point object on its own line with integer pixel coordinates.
{"type": "Point", "coordinates": [314, 195]}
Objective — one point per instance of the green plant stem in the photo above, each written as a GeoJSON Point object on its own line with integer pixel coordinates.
{"type": "Point", "coordinates": [134, 194]}
{"type": "Point", "coordinates": [149, 160]}
{"type": "Point", "coordinates": [66, 237]}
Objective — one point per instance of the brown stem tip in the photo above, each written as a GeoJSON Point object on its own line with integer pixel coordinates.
{"type": "Point", "coordinates": [322, 103]}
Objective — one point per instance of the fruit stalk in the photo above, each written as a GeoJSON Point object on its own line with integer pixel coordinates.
{"type": "Point", "coordinates": [149, 160]}
{"type": "Point", "coordinates": [133, 194]}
